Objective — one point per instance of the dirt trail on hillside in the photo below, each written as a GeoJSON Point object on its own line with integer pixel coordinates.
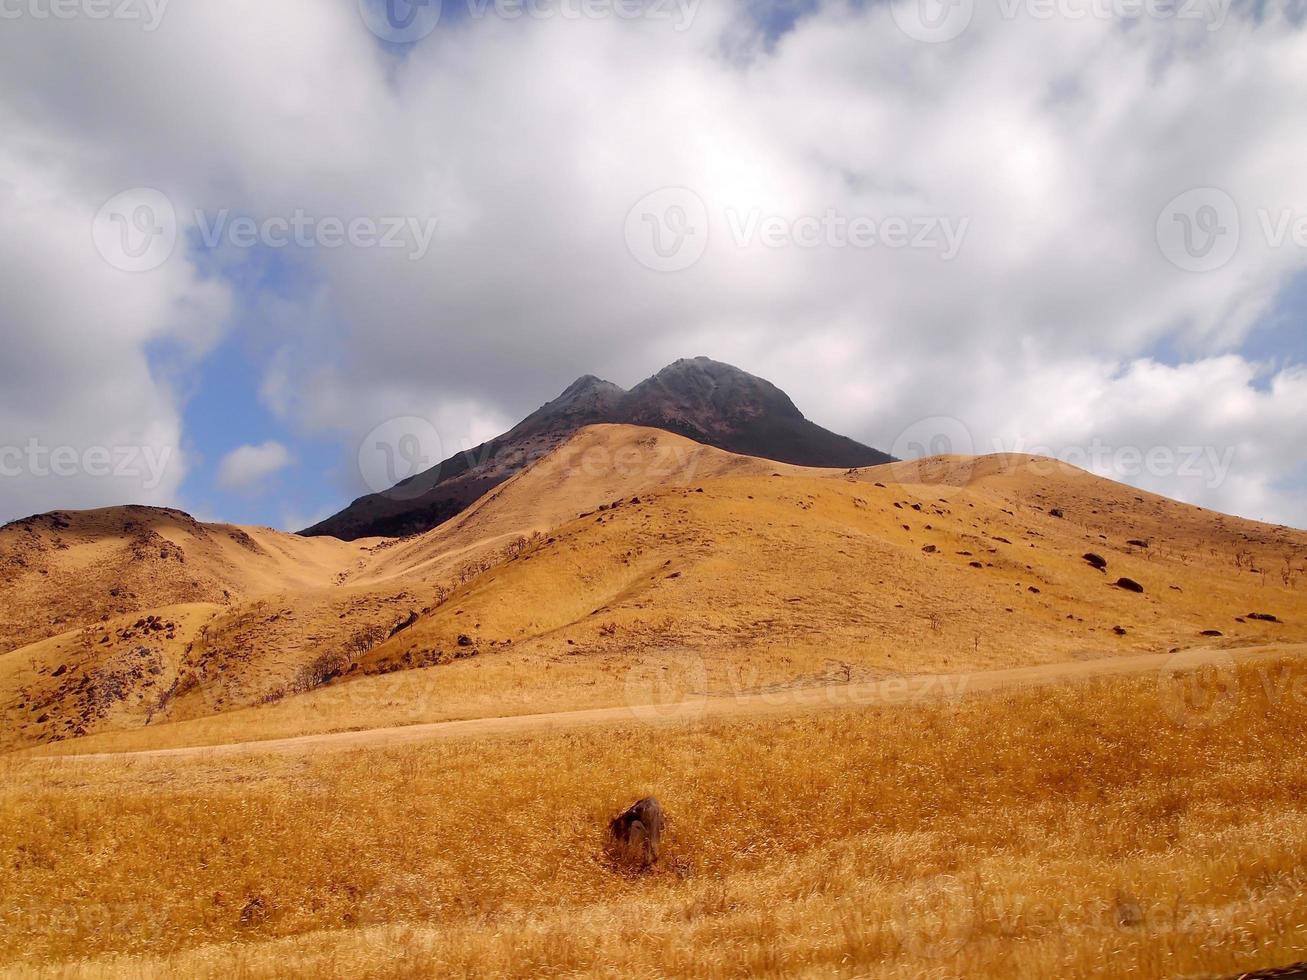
{"type": "Point", "coordinates": [901, 690]}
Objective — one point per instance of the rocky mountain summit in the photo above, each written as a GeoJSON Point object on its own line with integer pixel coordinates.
{"type": "Point", "coordinates": [699, 398]}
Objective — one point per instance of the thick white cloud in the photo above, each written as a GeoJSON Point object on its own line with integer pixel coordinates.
{"type": "Point", "coordinates": [1218, 432]}
{"type": "Point", "coordinates": [245, 466]}
{"type": "Point", "coordinates": [84, 419]}
{"type": "Point", "coordinates": [1058, 141]}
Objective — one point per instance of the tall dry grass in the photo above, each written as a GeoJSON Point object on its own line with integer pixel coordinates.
{"type": "Point", "coordinates": [1068, 832]}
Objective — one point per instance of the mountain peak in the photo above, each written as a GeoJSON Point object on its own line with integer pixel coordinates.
{"type": "Point", "coordinates": [695, 396]}
{"type": "Point", "coordinates": [701, 365]}
{"type": "Point", "coordinates": [700, 361]}
{"type": "Point", "coordinates": [587, 400]}
{"type": "Point", "coordinates": [584, 384]}
{"type": "Point", "coordinates": [711, 402]}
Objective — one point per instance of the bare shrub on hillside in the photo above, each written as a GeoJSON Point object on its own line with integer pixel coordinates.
{"type": "Point", "coordinates": [470, 571]}
{"type": "Point", "coordinates": [1289, 574]}
{"type": "Point", "coordinates": [326, 667]}
{"type": "Point", "coordinates": [362, 641]}
{"type": "Point", "coordinates": [321, 670]}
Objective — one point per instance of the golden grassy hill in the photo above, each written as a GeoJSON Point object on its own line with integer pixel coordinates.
{"type": "Point", "coordinates": [634, 564]}
{"type": "Point", "coordinates": [109, 615]}
{"type": "Point", "coordinates": [747, 582]}
{"type": "Point", "coordinates": [883, 570]}
{"type": "Point", "coordinates": [600, 464]}
{"type": "Point", "coordinates": [276, 614]}
{"type": "Point", "coordinates": [70, 569]}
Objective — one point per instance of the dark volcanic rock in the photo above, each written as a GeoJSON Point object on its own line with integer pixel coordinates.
{"type": "Point", "coordinates": [701, 399]}
{"type": "Point", "coordinates": [431, 498]}
{"type": "Point", "coordinates": [722, 406]}
{"type": "Point", "coordinates": [638, 833]}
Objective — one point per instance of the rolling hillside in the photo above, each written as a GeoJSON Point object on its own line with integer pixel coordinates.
{"type": "Point", "coordinates": [628, 562]}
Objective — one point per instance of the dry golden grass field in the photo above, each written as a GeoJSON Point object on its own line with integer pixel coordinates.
{"type": "Point", "coordinates": [959, 717]}
{"type": "Point", "coordinates": [1132, 827]}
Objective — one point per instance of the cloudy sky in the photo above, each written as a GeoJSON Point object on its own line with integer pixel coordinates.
{"type": "Point", "coordinates": [237, 236]}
